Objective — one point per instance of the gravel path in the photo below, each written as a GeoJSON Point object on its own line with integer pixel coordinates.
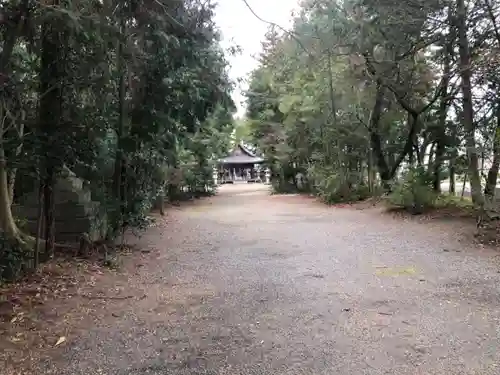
{"type": "Point", "coordinates": [247, 283]}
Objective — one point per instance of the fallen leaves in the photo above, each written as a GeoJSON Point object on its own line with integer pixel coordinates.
{"type": "Point", "coordinates": [61, 340]}
{"type": "Point", "coordinates": [19, 317]}
{"type": "Point", "coordinates": [37, 312]}
{"type": "Point", "coordinates": [17, 338]}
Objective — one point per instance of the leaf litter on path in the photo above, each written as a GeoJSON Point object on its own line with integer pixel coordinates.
{"type": "Point", "coordinates": [36, 313]}
{"type": "Point", "coordinates": [60, 340]}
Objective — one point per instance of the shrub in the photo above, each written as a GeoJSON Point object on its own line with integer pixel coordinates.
{"type": "Point", "coordinates": [14, 259]}
{"type": "Point", "coordinates": [415, 192]}
{"type": "Point", "coordinates": [332, 186]}
{"type": "Point", "coordinates": [281, 186]}
{"type": "Point", "coordinates": [284, 180]}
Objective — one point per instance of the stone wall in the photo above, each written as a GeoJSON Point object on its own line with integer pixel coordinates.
{"type": "Point", "coordinates": [75, 212]}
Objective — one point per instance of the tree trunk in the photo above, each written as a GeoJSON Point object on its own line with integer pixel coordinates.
{"type": "Point", "coordinates": [443, 106]}
{"type": "Point", "coordinates": [464, 185]}
{"type": "Point", "coordinates": [438, 161]}
{"type": "Point", "coordinates": [120, 129]}
{"type": "Point", "coordinates": [7, 223]}
{"type": "Point", "coordinates": [371, 180]}
{"type": "Point", "coordinates": [49, 215]}
{"type": "Point", "coordinates": [39, 221]}
{"type": "Point", "coordinates": [161, 203]}
{"type": "Point", "coordinates": [52, 78]}
{"type": "Point", "coordinates": [491, 180]}
{"type": "Point", "coordinates": [468, 110]}
{"type": "Point", "coordinates": [411, 153]}
{"type": "Point", "coordinates": [453, 158]}
{"type": "Point", "coordinates": [413, 123]}
{"type": "Point", "coordinates": [13, 171]}
{"type": "Point", "coordinates": [333, 107]}
{"type": "Point", "coordinates": [416, 149]}
{"type": "Point", "coordinates": [432, 156]}
{"type": "Point", "coordinates": [375, 140]}
{"type": "Point", "coordinates": [451, 167]}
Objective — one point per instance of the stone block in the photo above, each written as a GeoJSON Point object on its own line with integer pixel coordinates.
{"type": "Point", "coordinates": [80, 225]}
{"type": "Point", "coordinates": [75, 212]}
{"type": "Point", "coordinates": [73, 229]}
{"type": "Point", "coordinates": [66, 211]}
{"type": "Point", "coordinates": [61, 197]}
{"type": "Point", "coordinates": [69, 183]}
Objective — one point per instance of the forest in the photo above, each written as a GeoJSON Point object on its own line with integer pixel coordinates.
{"type": "Point", "coordinates": [367, 97]}
{"type": "Point", "coordinates": [361, 97]}
{"type": "Point", "coordinates": [127, 105]}
{"type": "Point", "coordinates": [132, 97]}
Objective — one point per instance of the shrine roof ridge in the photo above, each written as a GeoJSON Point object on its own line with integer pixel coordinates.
{"type": "Point", "coordinates": [241, 155]}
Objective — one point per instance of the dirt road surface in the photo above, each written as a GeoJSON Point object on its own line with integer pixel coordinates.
{"type": "Point", "coordinates": [247, 283]}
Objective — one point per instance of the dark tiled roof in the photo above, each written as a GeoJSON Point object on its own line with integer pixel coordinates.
{"type": "Point", "coordinates": [246, 150]}
{"type": "Point", "coordinates": [241, 155]}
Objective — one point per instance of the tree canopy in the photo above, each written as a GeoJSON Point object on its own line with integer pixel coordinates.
{"type": "Point", "coordinates": [131, 96]}
{"type": "Point", "coordinates": [368, 93]}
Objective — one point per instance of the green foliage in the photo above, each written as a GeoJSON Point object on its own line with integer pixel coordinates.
{"type": "Point", "coordinates": [363, 89]}
{"type": "Point", "coordinates": [414, 193]}
{"type": "Point", "coordinates": [334, 187]}
{"type": "Point", "coordinates": [291, 110]}
{"type": "Point", "coordinates": [14, 259]}
{"type": "Point", "coordinates": [241, 131]}
{"type": "Point", "coordinates": [282, 186]}
{"type": "Point", "coordinates": [450, 201]}
{"type": "Point", "coordinates": [121, 93]}
{"type": "Point", "coordinates": [284, 179]}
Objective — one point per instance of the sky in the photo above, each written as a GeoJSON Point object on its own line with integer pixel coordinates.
{"type": "Point", "coordinates": [240, 27]}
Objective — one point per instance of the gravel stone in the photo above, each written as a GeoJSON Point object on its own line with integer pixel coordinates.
{"type": "Point", "coordinates": [251, 283]}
